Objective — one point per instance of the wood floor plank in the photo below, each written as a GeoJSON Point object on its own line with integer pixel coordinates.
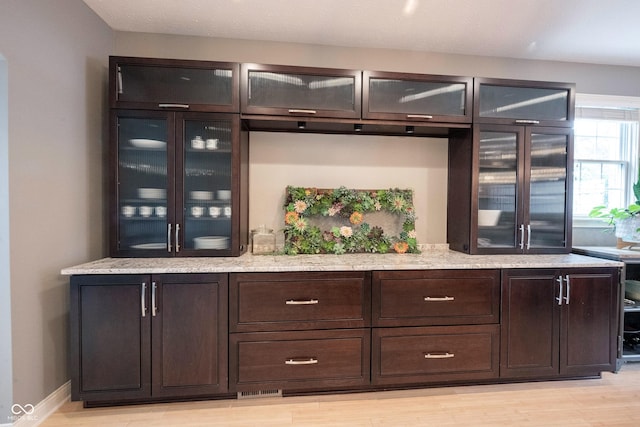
{"type": "Point", "coordinates": [611, 401]}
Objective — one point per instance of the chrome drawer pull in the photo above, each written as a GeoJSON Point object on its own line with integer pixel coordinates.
{"type": "Point", "coordinates": [301, 302]}
{"type": "Point", "coordinates": [559, 297]}
{"type": "Point", "coordinates": [154, 306]}
{"type": "Point", "coordinates": [439, 298]}
{"type": "Point", "coordinates": [185, 106]}
{"type": "Point", "coordinates": [310, 361]}
{"type": "Point", "coordinates": [527, 122]}
{"type": "Point", "coordinates": [419, 116]}
{"type": "Point", "coordinates": [446, 355]}
{"type": "Point", "coordinates": [299, 111]}
{"type": "Point", "coordinates": [143, 297]}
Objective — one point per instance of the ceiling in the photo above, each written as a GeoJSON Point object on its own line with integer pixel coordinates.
{"type": "Point", "coordinates": [589, 31]}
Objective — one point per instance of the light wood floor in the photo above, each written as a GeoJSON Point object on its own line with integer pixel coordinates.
{"type": "Point", "coordinates": [613, 400]}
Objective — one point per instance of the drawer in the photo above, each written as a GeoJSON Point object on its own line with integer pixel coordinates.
{"type": "Point", "coordinates": [299, 301]}
{"type": "Point", "coordinates": [434, 354]}
{"type": "Point", "coordinates": [299, 360]}
{"type": "Point", "coordinates": [436, 297]}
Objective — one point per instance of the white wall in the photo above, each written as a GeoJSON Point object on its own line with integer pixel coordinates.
{"type": "Point", "coordinates": [56, 53]}
{"type": "Point", "coordinates": [353, 161]}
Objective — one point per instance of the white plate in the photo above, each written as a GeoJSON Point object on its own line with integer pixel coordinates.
{"type": "Point", "coordinates": [224, 194]}
{"type": "Point", "coordinates": [152, 193]}
{"type": "Point", "coordinates": [201, 195]}
{"type": "Point", "coordinates": [211, 242]}
{"type": "Point", "coordinates": [147, 143]}
{"type": "Point", "coordinates": [150, 246]}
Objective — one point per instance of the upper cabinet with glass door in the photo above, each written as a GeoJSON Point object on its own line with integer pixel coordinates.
{"type": "Point", "coordinates": [416, 97]}
{"type": "Point", "coordinates": [300, 91]}
{"type": "Point", "coordinates": [523, 102]}
{"type": "Point", "coordinates": [161, 84]}
{"type": "Point", "coordinates": [178, 184]}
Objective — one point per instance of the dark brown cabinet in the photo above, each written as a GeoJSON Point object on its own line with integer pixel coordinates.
{"type": "Point", "coordinates": [416, 97]}
{"type": "Point", "coordinates": [141, 337]}
{"type": "Point", "coordinates": [178, 184]}
{"type": "Point", "coordinates": [169, 84]}
{"type": "Point", "coordinates": [434, 326]}
{"type": "Point", "coordinates": [518, 102]}
{"type": "Point", "coordinates": [299, 331]}
{"type": "Point", "coordinates": [300, 92]}
{"type": "Point", "coordinates": [510, 182]}
{"type": "Point", "coordinates": [559, 322]}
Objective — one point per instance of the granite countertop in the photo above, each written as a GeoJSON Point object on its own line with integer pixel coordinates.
{"type": "Point", "coordinates": [610, 252]}
{"type": "Point", "coordinates": [430, 259]}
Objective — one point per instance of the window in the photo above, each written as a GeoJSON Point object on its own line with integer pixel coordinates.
{"type": "Point", "coordinates": [605, 153]}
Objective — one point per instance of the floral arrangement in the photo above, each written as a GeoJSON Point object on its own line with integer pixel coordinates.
{"type": "Point", "coordinates": [301, 237]}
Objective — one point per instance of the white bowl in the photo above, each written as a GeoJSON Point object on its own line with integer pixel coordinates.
{"type": "Point", "coordinates": [147, 143]}
{"type": "Point", "coordinates": [201, 195]}
{"type": "Point", "coordinates": [152, 193]}
{"type": "Point", "coordinates": [224, 194]}
{"type": "Point", "coordinates": [488, 217]}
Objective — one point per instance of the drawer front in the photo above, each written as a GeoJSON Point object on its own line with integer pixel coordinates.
{"type": "Point", "coordinates": [299, 360]}
{"type": "Point", "coordinates": [434, 354]}
{"type": "Point", "coordinates": [276, 302]}
{"type": "Point", "coordinates": [436, 297]}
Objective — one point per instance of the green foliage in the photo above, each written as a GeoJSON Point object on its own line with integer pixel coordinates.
{"type": "Point", "coordinates": [301, 203]}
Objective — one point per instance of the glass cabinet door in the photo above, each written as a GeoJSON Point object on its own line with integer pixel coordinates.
{"type": "Point", "coordinates": [142, 208]}
{"type": "Point", "coordinates": [548, 104]}
{"type": "Point", "coordinates": [548, 191]}
{"type": "Point", "coordinates": [294, 91]}
{"type": "Point", "coordinates": [498, 190]}
{"type": "Point", "coordinates": [416, 97]}
{"type": "Point", "coordinates": [205, 188]}
{"type": "Point", "coordinates": [192, 85]}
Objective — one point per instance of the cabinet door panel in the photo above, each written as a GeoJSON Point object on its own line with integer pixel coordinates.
{"type": "Point", "coordinates": [300, 359]}
{"type": "Point", "coordinates": [499, 201]}
{"type": "Point", "coordinates": [530, 319]}
{"type": "Point", "coordinates": [110, 337]}
{"type": "Point", "coordinates": [189, 335]}
{"type": "Point", "coordinates": [548, 193]}
{"type": "Point", "coordinates": [291, 301]}
{"type": "Point", "coordinates": [415, 355]}
{"type": "Point", "coordinates": [436, 297]}
{"type": "Point", "coordinates": [590, 323]}
{"type": "Point", "coordinates": [140, 181]}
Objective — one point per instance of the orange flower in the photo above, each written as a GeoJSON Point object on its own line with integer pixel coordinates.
{"type": "Point", "coordinates": [290, 217]}
{"type": "Point", "coordinates": [401, 247]}
{"type": "Point", "coordinates": [356, 218]}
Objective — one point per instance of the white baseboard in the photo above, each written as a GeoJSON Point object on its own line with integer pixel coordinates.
{"type": "Point", "coordinates": [45, 408]}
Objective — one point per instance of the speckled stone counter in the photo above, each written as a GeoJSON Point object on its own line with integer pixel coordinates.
{"type": "Point", "coordinates": [430, 259]}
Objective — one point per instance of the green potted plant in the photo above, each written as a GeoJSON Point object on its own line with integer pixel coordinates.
{"type": "Point", "coordinates": [626, 221]}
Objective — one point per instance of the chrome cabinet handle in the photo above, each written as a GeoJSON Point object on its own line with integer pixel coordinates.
{"type": "Point", "coordinates": [528, 236]}
{"type": "Point", "coordinates": [184, 106]}
{"type": "Point", "coordinates": [169, 237]}
{"type": "Point", "coordinates": [568, 291]}
{"type": "Point", "coordinates": [143, 294]}
{"type": "Point", "coordinates": [445, 298]}
{"type": "Point", "coordinates": [301, 111]}
{"type": "Point", "coordinates": [419, 116]}
{"type": "Point", "coordinates": [527, 122]}
{"type": "Point", "coordinates": [310, 361]}
{"type": "Point", "coordinates": [154, 306]}
{"type": "Point", "coordinates": [559, 297]}
{"type": "Point", "coordinates": [302, 302]}
{"type": "Point", "coordinates": [177, 237]}
{"type": "Point", "coordinates": [119, 80]}
{"type": "Point", "coordinates": [445, 355]}
{"type": "Point", "coordinates": [521, 236]}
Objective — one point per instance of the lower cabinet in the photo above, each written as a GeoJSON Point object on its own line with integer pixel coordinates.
{"type": "Point", "coordinates": [142, 337]}
{"type": "Point", "coordinates": [300, 360]}
{"type": "Point", "coordinates": [434, 326]}
{"type": "Point", "coordinates": [559, 322]}
{"type": "Point", "coordinates": [434, 354]}
{"type": "Point", "coordinates": [299, 331]}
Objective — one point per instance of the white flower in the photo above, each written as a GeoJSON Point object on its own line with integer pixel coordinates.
{"type": "Point", "coordinates": [346, 231]}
